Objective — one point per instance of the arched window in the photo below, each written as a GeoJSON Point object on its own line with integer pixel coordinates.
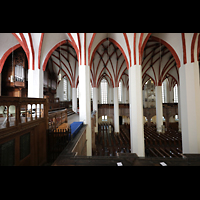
{"type": "Point", "coordinates": [104, 91]}
{"type": "Point", "coordinates": [65, 89]}
{"type": "Point", "coordinates": [175, 94]}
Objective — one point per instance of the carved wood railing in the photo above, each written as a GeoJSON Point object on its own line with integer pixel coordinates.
{"type": "Point", "coordinates": [55, 119]}
{"type": "Point", "coordinates": [23, 124]}
{"type": "Point", "coordinates": [15, 111]}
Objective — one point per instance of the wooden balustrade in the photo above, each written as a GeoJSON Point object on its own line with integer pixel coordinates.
{"type": "Point", "coordinates": [23, 125]}
{"type": "Point", "coordinates": [15, 111]}
{"type": "Point", "coordinates": [56, 118]}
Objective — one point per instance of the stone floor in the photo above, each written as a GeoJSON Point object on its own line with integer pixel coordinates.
{"type": "Point", "coordinates": [73, 118]}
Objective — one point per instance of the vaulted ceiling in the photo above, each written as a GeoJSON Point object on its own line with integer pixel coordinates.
{"type": "Point", "coordinates": [158, 63]}
{"type": "Point", "coordinates": [159, 54]}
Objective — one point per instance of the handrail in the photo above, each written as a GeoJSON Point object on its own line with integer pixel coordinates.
{"type": "Point", "coordinates": [5, 99]}
{"type": "Point", "coordinates": [57, 118]}
{"type": "Point", "coordinates": [22, 109]}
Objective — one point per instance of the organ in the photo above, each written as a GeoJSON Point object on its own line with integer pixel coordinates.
{"type": "Point", "coordinates": [15, 74]}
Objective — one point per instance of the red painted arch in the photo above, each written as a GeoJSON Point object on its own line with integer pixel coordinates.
{"type": "Point", "coordinates": [79, 44]}
{"type": "Point", "coordinates": [89, 48]}
{"type": "Point", "coordinates": [114, 42]}
{"type": "Point", "coordinates": [26, 48]}
{"type": "Point", "coordinates": [192, 46]}
{"type": "Point", "coordinates": [32, 51]}
{"type": "Point", "coordinates": [21, 42]}
{"type": "Point", "coordinates": [6, 54]}
{"type": "Point", "coordinates": [184, 48]}
{"type": "Point", "coordinates": [198, 47]}
{"type": "Point", "coordinates": [173, 52]}
{"type": "Point", "coordinates": [148, 80]}
{"type": "Point", "coordinates": [134, 48]}
{"type": "Point", "coordinates": [101, 77]}
{"type": "Point", "coordinates": [128, 47]}
{"type": "Point", "coordinates": [40, 48]}
{"type": "Point", "coordinates": [50, 52]}
{"type": "Point", "coordinates": [72, 42]}
{"type": "Point", "coordinates": [141, 46]}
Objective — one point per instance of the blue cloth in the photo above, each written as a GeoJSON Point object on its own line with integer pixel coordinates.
{"type": "Point", "coordinates": [75, 128]}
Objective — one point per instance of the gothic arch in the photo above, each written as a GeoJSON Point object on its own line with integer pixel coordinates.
{"type": "Point", "coordinates": [171, 49]}
{"type": "Point", "coordinates": [114, 42]}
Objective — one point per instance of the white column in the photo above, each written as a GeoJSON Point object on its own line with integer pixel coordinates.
{"type": "Point", "coordinates": [116, 110]}
{"type": "Point", "coordinates": [95, 105]}
{"type": "Point", "coordinates": [35, 83]}
{"type": "Point", "coordinates": [74, 99]}
{"type": "Point", "coordinates": [190, 107]}
{"type": "Point", "coordinates": [179, 110]}
{"type": "Point", "coordinates": [85, 103]}
{"type": "Point", "coordinates": [159, 108]}
{"type": "Point", "coordinates": [136, 111]}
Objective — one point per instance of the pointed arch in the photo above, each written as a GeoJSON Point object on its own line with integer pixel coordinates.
{"type": "Point", "coordinates": [171, 49]}
{"type": "Point", "coordinates": [40, 48]}
{"type": "Point", "coordinates": [184, 48]}
{"type": "Point", "coordinates": [192, 46]}
{"type": "Point", "coordinates": [114, 42]}
{"type": "Point", "coordinates": [50, 52]}
{"type": "Point", "coordinates": [6, 54]}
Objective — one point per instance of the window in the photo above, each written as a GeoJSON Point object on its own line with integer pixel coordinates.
{"type": "Point", "coordinates": [176, 94]}
{"type": "Point", "coordinates": [104, 91]}
{"type": "Point", "coordinates": [120, 91]}
{"type": "Point", "coordinates": [65, 89]}
{"type": "Point", "coordinates": [104, 118]}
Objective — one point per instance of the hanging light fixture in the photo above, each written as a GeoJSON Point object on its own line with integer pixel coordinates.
{"type": "Point", "coordinates": [60, 76]}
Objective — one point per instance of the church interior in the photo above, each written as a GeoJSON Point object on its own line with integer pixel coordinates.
{"type": "Point", "coordinates": [99, 99]}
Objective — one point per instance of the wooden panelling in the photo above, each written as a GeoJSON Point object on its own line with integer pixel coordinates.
{"type": "Point", "coordinates": [31, 134]}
